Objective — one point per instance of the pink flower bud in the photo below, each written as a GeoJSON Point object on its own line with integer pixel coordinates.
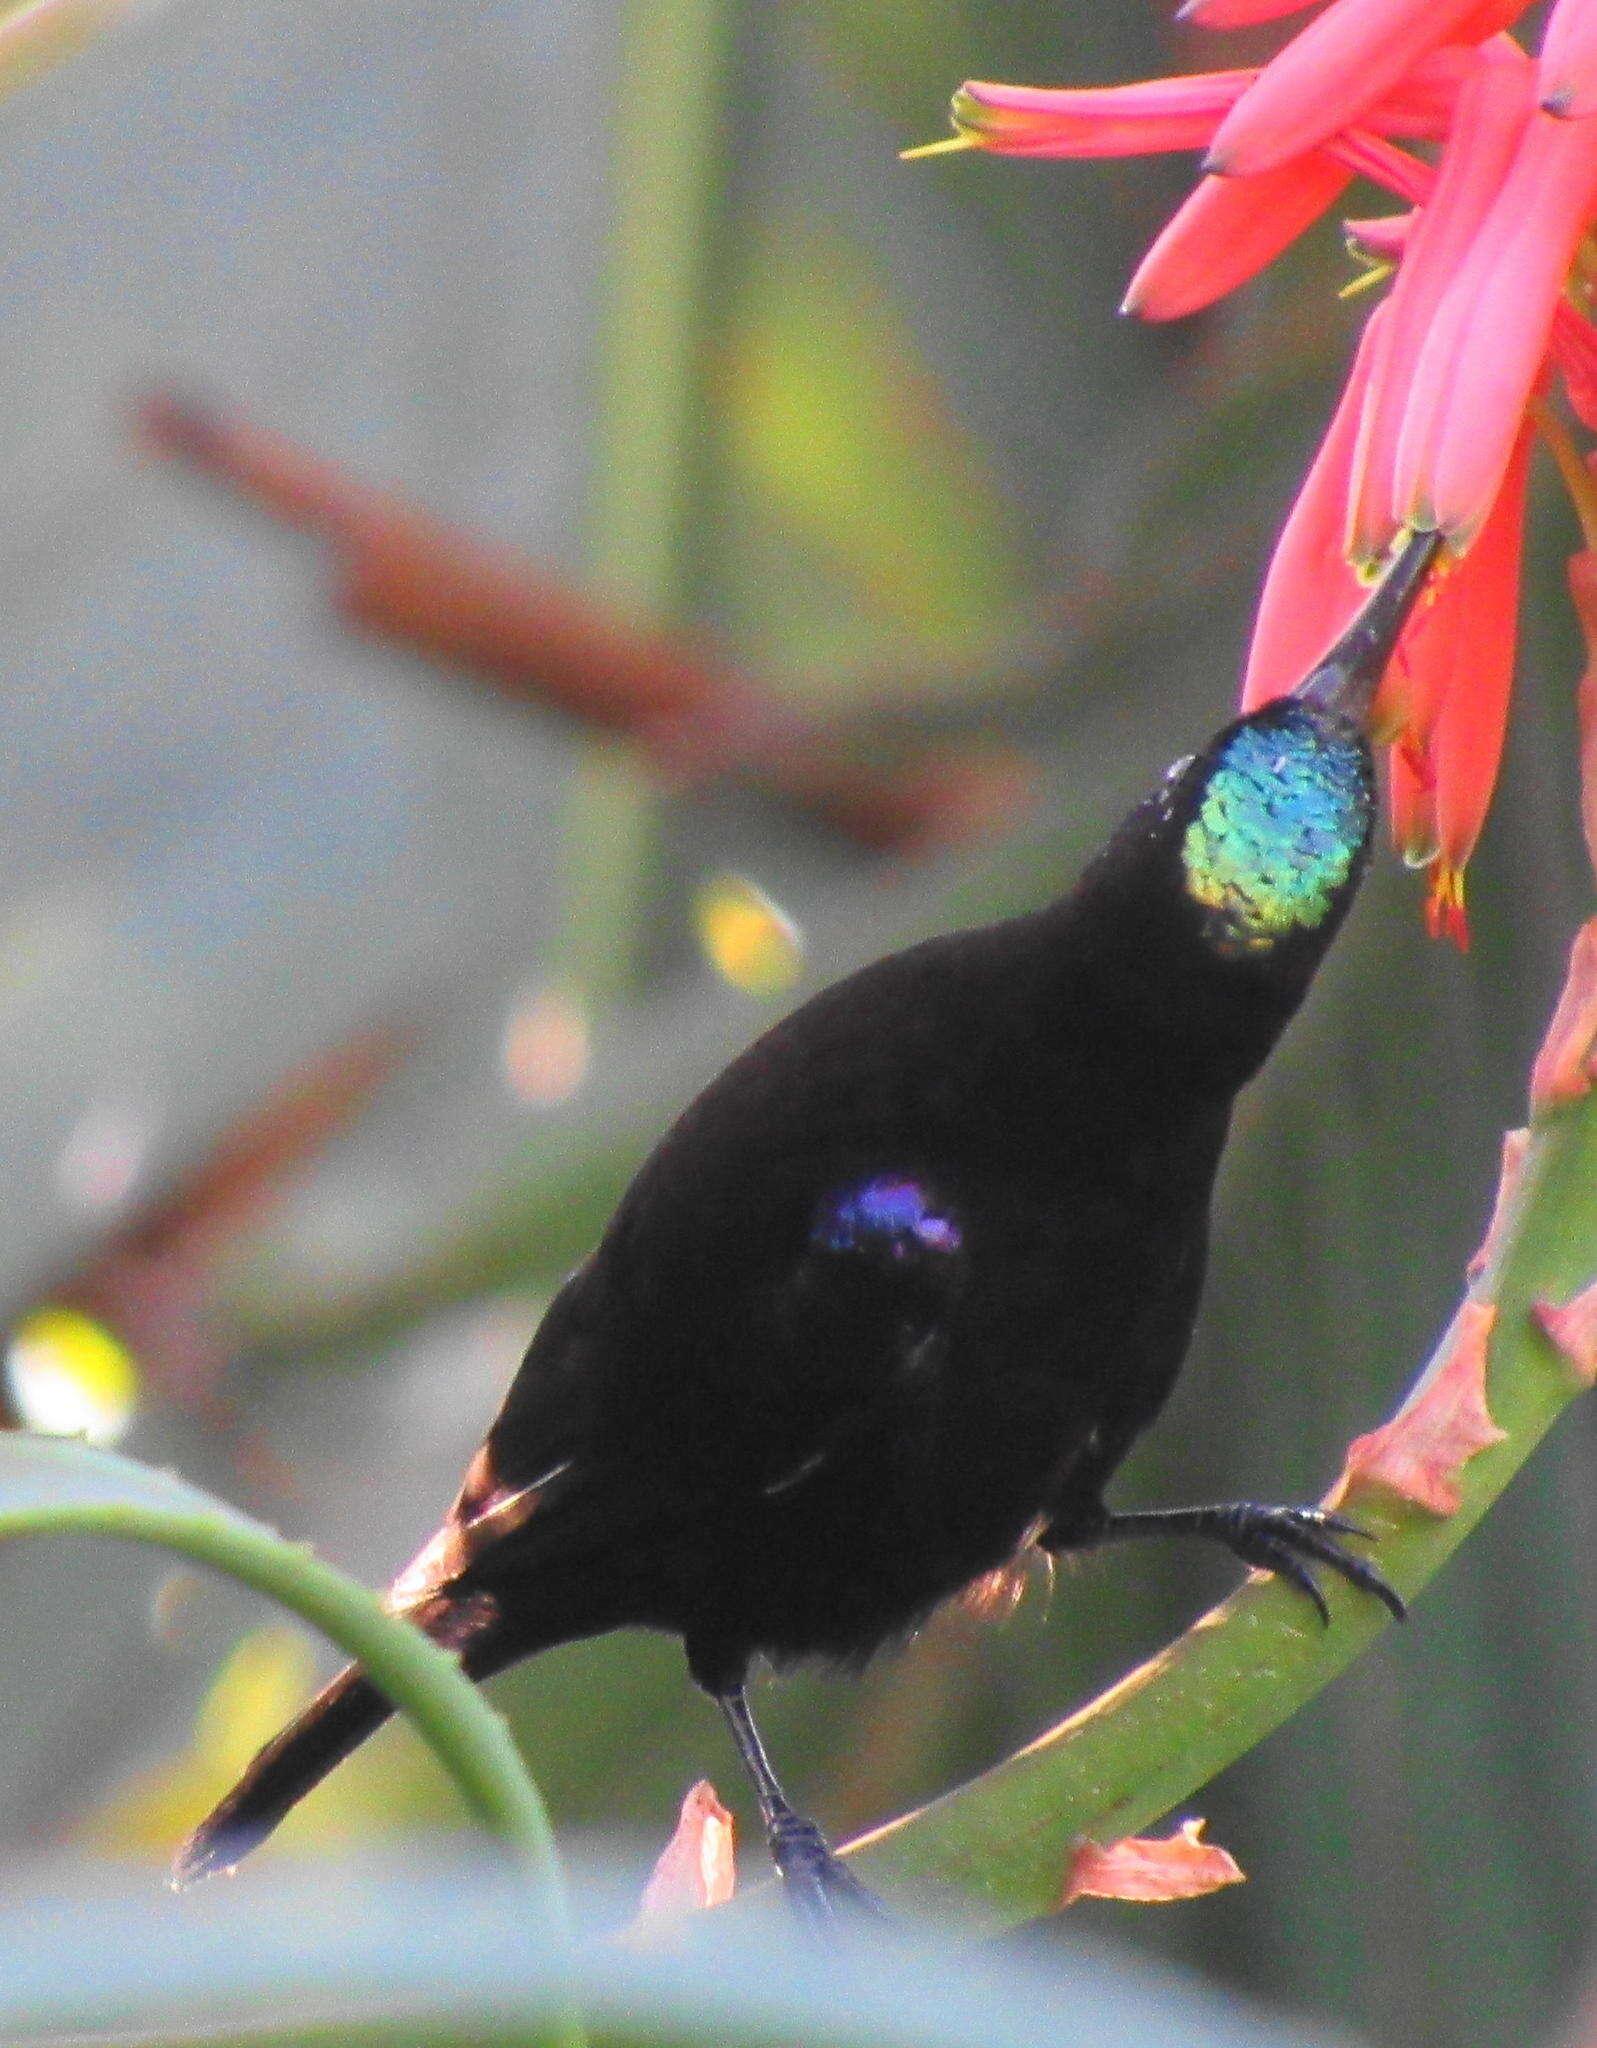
{"type": "Point", "coordinates": [1330, 76]}
{"type": "Point", "coordinates": [1568, 70]}
{"type": "Point", "coordinates": [1493, 108]}
{"type": "Point", "coordinates": [1227, 231]}
{"type": "Point", "coordinates": [1488, 338]}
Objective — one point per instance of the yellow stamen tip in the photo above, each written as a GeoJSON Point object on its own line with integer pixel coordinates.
{"type": "Point", "coordinates": [1377, 274]}
{"type": "Point", "coordinates": [946, 147]}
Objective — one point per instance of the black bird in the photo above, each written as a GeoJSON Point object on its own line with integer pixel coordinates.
{"type": "Point", "coordinates": [893, 1297]}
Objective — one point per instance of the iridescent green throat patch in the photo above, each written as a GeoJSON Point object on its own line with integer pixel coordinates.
{"type": "Point", "coordinates": [1282, 821]}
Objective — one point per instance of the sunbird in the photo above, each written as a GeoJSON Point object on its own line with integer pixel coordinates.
{"type": "Point", "coordinates": [894, 1296]}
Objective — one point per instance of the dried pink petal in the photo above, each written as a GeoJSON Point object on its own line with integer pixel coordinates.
{"type": "Point", "coordinates": [697, 1867]}
{"type": "Point", "coordinates": [1150, 1870]}
{"type": "Point", "coordinates": [1444, 1423]}
{"type": "Point", "coordinates": [1573, 1331]}
{"type": "Point", "coordinates": [1515, 1144]}
{"type": "Point", "coordinates": [1566, 1065]}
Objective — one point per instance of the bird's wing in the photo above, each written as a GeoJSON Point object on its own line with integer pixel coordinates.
{"type": "Point", "coordinates": [857, 1329]}
{"type": "Point", "coordinates": [485, 1512]}
{"type": "Point", "coordinates": [529, 1461]}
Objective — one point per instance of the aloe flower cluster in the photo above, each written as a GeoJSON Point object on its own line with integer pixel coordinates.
{"type": "Point", "coordinates": [1485, 335]}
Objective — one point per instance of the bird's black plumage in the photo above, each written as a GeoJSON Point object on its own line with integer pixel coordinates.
{"type": "Point", "coordinates": [896, 1293]}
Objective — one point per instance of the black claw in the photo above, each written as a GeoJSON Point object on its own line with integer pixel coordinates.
{"type": "Point", "coordinates": [1285, 1563]}
{"type": "Point", "coordinates": [822, 1890]}
{"type": "Point", "coordinates": [1286, 1540]}
{"type": "Point", "coordinates": [1339, 1525]}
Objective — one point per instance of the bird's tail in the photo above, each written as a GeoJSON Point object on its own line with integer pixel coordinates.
{"type": "Point", "coordinates": [344, 1713]}
{"type": "Point", "coordinates": [560, 1592]}
{"type": "Point", "coordinates": [335, 1723]}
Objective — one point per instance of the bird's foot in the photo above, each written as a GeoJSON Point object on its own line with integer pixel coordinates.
{"type": "Point", "coordinates": [818, 1885]}
{"type": "Point", "coordinates": [1287, 1541]}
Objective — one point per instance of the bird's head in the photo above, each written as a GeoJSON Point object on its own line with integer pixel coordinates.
{"type": "Point", "coordinates": [1271, 821]}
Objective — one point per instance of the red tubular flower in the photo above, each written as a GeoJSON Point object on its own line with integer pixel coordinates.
{"type": "Point", "coordinates": [1490, 18]}
{"type": "Point", "coordinates": [1106, 120]}
{"type": "Point", "coordinates": [1474, 656]}
{"type": "Point", "coordinates": [1411, 803]}
{"type": "Point", "coordinates": [1172, 113]}
{"type": "Point", "coordinates": [1373, 157]}
{"type": "Point", "coordinates": [1227, 231]}
{"type": "Point", "coordinates": [1309, 592]}
{"type": "Point", "coordinates": [1336, 71]}
{"type": "Point", "coordinates": [1490, 333]}
{"type": "Point", "coordinates": [1230, 228]}
{"type": "Point", "coordinates": [1382, 239]}
{"type": "Point", "coordinates": [1493, 107]}
{"type": "Point", "coordinates": [1237, 13]}
{"type": "Point", "coordinates": [1444, 700]}
{"type": "Point", "coordinates": [1568, 81]}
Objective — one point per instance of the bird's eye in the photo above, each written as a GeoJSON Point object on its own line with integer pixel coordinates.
{"type": "Point", "coordinates": [887, 1212]}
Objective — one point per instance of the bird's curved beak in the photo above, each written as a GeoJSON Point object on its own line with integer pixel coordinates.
{"type": "Point", "coordinates": [1344, 681]}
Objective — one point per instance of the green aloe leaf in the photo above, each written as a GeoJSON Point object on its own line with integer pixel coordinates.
{"type": "Point", "coordinates": [440, 1957]}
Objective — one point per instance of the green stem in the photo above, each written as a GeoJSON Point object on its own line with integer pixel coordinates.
{"type": "Point", "coordinates": [469, 1739]}
{"type": "Point", "coordinates": [1003, 1841]}
{"type": "Point", "coordinates": [57, 1487]}
{"type": "Point", "coordinates": [666, 177]}
{"type": "Point", "coordinates": [666, 180]}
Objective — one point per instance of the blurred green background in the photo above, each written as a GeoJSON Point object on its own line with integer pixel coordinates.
{"type": "Point", "coordinates": [642, 289]}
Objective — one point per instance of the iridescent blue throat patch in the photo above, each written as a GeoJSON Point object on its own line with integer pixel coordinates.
{"type": "Point", "coordinates": [1282, 821]}
{"type": "Point", "coordinates": [898, 1216]}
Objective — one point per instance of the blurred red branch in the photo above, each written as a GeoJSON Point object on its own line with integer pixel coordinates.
{"type": "Point", "coordinates": [405, 576]}
{"type": "Point", "coordinates": [150, 1280]}
{"type": "Point", "coordinates": [263, 1150]}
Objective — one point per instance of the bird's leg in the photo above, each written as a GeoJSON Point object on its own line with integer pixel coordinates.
{"type": "Point", "coordinates": [814, 1879]}
{"type": "Point", "coordinates": [1287, 1541]}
